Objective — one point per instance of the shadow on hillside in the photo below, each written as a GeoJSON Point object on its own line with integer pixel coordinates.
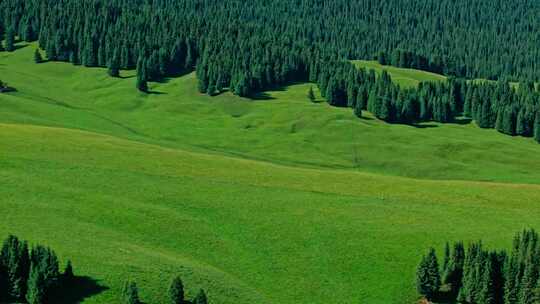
{"type": "Point", "coordinates": [261, 96]}
{"type": "Point", "coordinates": [78, 290]}
{"type": "Point", "coordinates": [424, 126]}
{"type": "Point", "coordinates": [462, 121]}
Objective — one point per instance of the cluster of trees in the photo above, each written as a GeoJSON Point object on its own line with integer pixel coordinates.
{"type": "Point", "coordinates": [176, 294]}
{"type": "Point", "coordinates": [479, 276]}
{"type": "Point", "coordinates": [30, 275]}
{"type": "Point", "coordinates": [249, 46]}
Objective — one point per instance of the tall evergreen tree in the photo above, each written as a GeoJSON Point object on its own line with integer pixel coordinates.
{"type": "Point", "coordinates": [176, 291]}
{"type": "Point", "coordinates": [537, 126]}
{"type": "Point", "coordinates": [36, 286]}
{"type": "Point", "coordinates": [311, 95]}
{"type": "Point", "coordinates": [37, 56]}
{"type": "Point", "coordinates": [10, 40]}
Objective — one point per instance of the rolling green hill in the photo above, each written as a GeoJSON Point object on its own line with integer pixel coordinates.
{"type": "Point", "coordinates": [274, 200]}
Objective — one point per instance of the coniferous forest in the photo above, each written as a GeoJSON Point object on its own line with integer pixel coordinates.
{"type": "Point", "coordinates": [246, 47]}
{"type": "Point", "coordinates": [476, 275]}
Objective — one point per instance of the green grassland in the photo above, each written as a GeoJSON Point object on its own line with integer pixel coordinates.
{"type": "Point", "coordinates": [273, 200]}
{"type": "Point", "coordinates": [404, 77]}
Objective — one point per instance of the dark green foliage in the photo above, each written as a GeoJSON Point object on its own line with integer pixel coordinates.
{"type": "Point", "coordinates": [31, 276]}
{"type": "Point", "coordinates": [130, 293]}
{"type": "Point", "coordinates": [176, 291]}
{"type": "Point", "coordinates": [200, 298]}
{"type": "Point", "coordinates": [37, 56]}
{"type": "Point", "coordinates": [537, 126]}
{"type": "Point", "coordinates": [311, 95]}
{"type": "Point", "coordinates": [113, 67]}
{"type": "Point", "coordinates": [36, 286]}
{"type": "Point", "coordinates": [16, 262]}
{"type": "Point", "coordinates": [10, 40]}
{"type": "Point", "coordinates": [489, 277]}
{"type": "Point", "coordinates": [427, 276]}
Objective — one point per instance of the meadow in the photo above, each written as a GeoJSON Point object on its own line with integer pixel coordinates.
{"type": "Point", "coordinates": [266, 200]}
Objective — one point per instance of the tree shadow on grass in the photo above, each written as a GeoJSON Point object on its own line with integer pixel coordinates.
{"type": "Point", "coordinates": [79, 289]}
{"type": "Point", "coordinates": [424, 126]}
{"type": "Point", "coordinates": [261, 96]}
{"type": "Point", "coordinates": [462, 120]}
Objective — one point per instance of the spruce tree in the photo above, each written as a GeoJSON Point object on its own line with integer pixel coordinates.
{"type": "Point", "coordinates": [201, 298]}
{"type": "Point", "coordinates": [428, 279]}
{"type": "Point", "coordinates": [36, 286]}
{"type": "Point", "coordinates": [176, 291]}
{"type": "Point", "coordinates": [311, 95]}
{"type": "Point", "coordinates": [537, 126]}
{"type": "Point", "coordinates": [113, 67]}
{"type": "Point", "coordinates": [37, 56]}
{"type": "Point", "coordinates": [358, 109]}
{"type": "Point", "coordinates": [10, 40]}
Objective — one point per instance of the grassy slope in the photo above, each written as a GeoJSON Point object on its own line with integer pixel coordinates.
{"type": "Point", "coordinates": [128, 185]}
{"type": "Point", "coordinates": [404, 77]}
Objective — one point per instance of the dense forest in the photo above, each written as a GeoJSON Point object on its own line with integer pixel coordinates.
{"type": "Point", "coordinates": [249, 46]}
{"type": "Point", "coordinates": [479, 276]}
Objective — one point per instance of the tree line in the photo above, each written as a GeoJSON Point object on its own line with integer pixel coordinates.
{"type": "Point", "coordinates": [479, 276]}
{"type": "Point", "coordinates": [249, 46]}
{"type": "Point", "coordinates": [30, 275]}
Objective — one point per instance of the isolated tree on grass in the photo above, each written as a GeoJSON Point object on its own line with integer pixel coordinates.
{"type": "Point", "coordinates": [37, 56]}
{"type": "Point", "coordinates": [201, 298]}
{"type": "Point", "coordinates": [131, 293]}
{"type": "Point", "coordinates": [311, 95]}
{"type": "Point", "coordinates": [176, 291]}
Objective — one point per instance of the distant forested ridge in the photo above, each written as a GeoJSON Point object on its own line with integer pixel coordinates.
{"type": "Point", "coordinates": [249, 46]}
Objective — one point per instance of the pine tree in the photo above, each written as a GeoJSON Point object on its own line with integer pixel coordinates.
{"type": "Point", "coordinates": [131, 293]}
{"type": "Point", "coordinates": [16, 261]}
{"type": "Point", "coordinates": [36, 286]}
{"type": "Point", "coordinates": [311, 95]}
{"type": "Point", "coordinates": [358, 109]}
{"type": "Point", "coordinates": [428, 279]}
{"type": "Point", "coordinates": [113, 67]}
{"type": "Point", "coordinates": [176, 291]}
{"type": "Point", "coordinates": [142, 84]}
{"type": "Point", "coordinates": [200, 298]}
{"type": "Point", "coordinates": [537, 126]}
{"type": "Point", "coordinates": [37, 56]}
{"type": "Point", "coordinates": [10, 40]}
{"type": "Point", "coordinates": [446, 262]}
